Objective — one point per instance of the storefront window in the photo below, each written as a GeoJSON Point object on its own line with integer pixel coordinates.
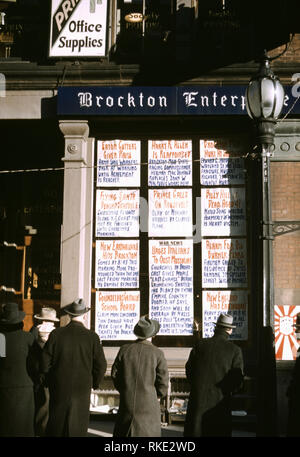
{"type": "Point", "coordinates": [170, 237]}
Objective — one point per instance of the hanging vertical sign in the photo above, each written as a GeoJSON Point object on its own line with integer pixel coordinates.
{"type": "Point", "coordinates": [117, 264]}
{"type": "Point", "coordinates": [220, 167]}
{"type": "Point", "coordinates": [117, 213]}
{"type": "Point", "coordinates": [118, 163]}
{"type": "Point", "coordinates": [171, 285]}
{"type": "Point", "coordinates": [223, 211]}
{"type": "Point", "coordinates": [170, 162]}
{"type": "Point", "coordinates": [78, 28]}
{"type": "Point", "coordinates": [226, 301]}
{"type": "Point", "coordinates": [170, 212]}
{"type": "Point", "coordinates": [286, 344]}
{"type": "Point", "coordinates": [116, 314]}
{"type": "Point", "coordinates": [224, 263]}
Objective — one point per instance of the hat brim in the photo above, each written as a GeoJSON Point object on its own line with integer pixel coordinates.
{"type": "Point", "coordinates": [224, 325]}
{"type": "Point", "coordinates": [152, 333]}
{"type": "Point", "coordinates": [17, 320]}
{"type": "Point", "coordinates": [54, 319]}
{"type": "Point", "coordinates": [67, 310]}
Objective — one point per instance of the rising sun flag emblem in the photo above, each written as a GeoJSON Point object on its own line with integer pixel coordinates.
{"type": "Point", "coordinates": [286, 344]}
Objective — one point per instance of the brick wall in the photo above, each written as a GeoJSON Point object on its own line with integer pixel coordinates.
{"type": "Point", "coordinates": [292, 55]}
{"type": "Point", "coordinates": [285, 182]}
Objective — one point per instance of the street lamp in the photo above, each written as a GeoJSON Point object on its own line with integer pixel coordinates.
{"type": "Point", "coordinates": [264, 102]}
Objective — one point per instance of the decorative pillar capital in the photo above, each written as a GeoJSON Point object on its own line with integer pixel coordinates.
{"type": "Point", "coordinates": [76, 134]}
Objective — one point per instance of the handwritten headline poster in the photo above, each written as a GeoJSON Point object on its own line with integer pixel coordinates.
{"type": "Point", "coordinates": [224, 263]}
{"type": "Point", "coordinates": [170, 212]}
{"type": "Point", "coordinates": [223, 211]}
{"type": "Point", "coordinates": [117, 264]}
{"type": "Point", "coordinates": [116, 314]}
{"type": "Point", "coordinates": [219, 166]}
{"type": "Point", "coordinates": [286, 344]}
{"type": "Point", "coordinates": [170, 163]}
{"type": "Point", "coordinates": [118, 163]}
{"type": "Point", "coordinates": [171, 285]}
{"type": "Point", "coordinates": [233, 302]}
{"type": "Point", "coordinates": [117, 213]}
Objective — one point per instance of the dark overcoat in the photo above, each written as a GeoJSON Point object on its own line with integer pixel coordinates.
{"type": "Point", "coordinates": [214, 370]}
{"type": "Point", "coordinates": [16, 386]}
{"type": "Point", "coordinates": [140, 374]}
{"type": "Point", "coordinates": [293, 393]}
{"type": "Point", "coordinates": [73, 361]}
{"type": "Point", "coordinates": [41, 392]}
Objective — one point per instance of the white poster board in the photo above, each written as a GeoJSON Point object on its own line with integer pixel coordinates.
{"type": "Point", "coordinates": [118, 163]}
{"type": "Point", "coordinates": [117, 264]}
{"type": "Point", "coordinates": [117, 213]}
{"type": "Point", "coordinates": [170, 212]}
{"type": "Point", "coordinates": [226, 301]}
{"type": "Point", "coordinates": [224, 263]}
{"type": "Point", "coordinates": [171, 285]}
{"type": "Point", "coordinates": [219, 166]}
{"type": "Point", "coordinates": [78, 28]}
{"type": "Point", "coordinates": [223, 211]}
{"type": "Point", "coordinates": [116, 314]}
{"type": "Point", "coordinates": [170, 163]}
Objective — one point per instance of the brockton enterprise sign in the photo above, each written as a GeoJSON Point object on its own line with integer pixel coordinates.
{"type": "Point", "coordinates": [157, 101]}
{"type": "Point", "coordinates": [78, 28]}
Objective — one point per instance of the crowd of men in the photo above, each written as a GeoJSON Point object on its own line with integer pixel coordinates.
{"type": "Point", "coordinates": [46, 377]}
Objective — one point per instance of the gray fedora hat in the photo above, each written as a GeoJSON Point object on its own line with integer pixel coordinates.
{"type": "Point", "coordinates": [225, 320]}
{"type": "Point", "coordinates": [11, 314]}
{"type": "Point", "coordinates": [47, 314]}
{"type": "Point", "coordinates": [76, 308]}
{"type": "Point", "coordinates": [145, 328]}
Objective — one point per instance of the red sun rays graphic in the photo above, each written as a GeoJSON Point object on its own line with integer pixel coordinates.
{"type": "Point", "coordinates": [286, 344]}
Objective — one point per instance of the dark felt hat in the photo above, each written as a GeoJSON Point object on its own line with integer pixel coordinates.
{"type": "Point", "coordinates": [146, 328]}
{"type": "Point", "coordinates": [11, 314]}
{"type": "Point", "coordinates": [76, 308]}
{"type": "Point", "coordinates": [225, 320]}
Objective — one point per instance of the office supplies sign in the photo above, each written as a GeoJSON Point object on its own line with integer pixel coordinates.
{"type": "Point", "coordinates": [78, 28]}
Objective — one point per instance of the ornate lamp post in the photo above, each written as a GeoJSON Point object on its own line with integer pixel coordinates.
{"type": "Point", "coordinates": [264, 101]}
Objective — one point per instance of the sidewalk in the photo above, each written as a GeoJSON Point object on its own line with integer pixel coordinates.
{"type": "Point", "coordinates": [102, 426]}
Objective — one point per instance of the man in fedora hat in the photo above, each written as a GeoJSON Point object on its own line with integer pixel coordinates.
{"type": "Point", "coordinates": [140, 374]}
{"type": "Point", "coordinates": [293, 392]}
{"type": "Point", "coordinates": [214, 370]}
{"type": "Point", "coordinates": [16, 386]}
{"type": "Point", "coordinates": [44, 324]}
{"type": "Point", "coordinates": [73, 362]}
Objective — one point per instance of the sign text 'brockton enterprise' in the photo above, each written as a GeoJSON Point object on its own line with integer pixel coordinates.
{"type": "Point", "coordinates": [136, 101]}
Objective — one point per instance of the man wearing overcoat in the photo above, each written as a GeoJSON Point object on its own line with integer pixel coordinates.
{"type": "Point", "coordinates": [16, 386]}
{"type": "Point", "coordinates": [73, 362]}
{"type": "Point", "coordinates": [140, 374]}
{"type": "Point", "coordinates": [214, 370]}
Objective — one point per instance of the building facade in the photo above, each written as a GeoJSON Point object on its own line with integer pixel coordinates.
{"type": "Point", "coordinates": [129, 171]}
